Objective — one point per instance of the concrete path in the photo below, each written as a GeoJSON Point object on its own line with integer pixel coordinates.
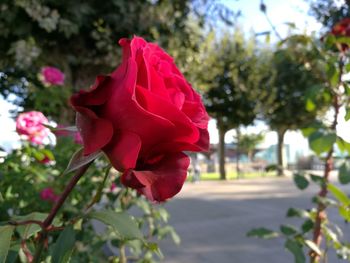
{"type": "Point", "coordinates": [212, 219]}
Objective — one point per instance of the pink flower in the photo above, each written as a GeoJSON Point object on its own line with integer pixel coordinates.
{"type": "Point", "coordinates": [45, 160]}
{"type": "Point", "coordinates": [77, 138]}
{"type": "Point", "coordinates": [112, 187]}
{"type": "Point", "coordinates": [52, 76]}
{"type": "Point", "coordinates": [30, 125]}
{"type": "Point", "coordinates": [48, 194]}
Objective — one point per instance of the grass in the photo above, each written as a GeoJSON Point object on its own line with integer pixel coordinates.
{"type": "Point", "coordinates": [233, 175]}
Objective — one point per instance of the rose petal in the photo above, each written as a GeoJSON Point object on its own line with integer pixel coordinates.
{"type": "Point", "coordinates": [196, 112]}
{"type": "Point", "coordinates": [184, 129]}
{"type": "Point", "coordinates": [123, 110]}
{"type": "Point", "coordinates": [97, 95]}
{"type": "Point", "coordinates": [163, 180]}
{"type": "Point", "coordinates": [95, 132]}
{"type": "Point", "coordinates": [123, 150]}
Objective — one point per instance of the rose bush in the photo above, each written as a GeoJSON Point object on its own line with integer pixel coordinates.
{"type": "Point", "coordinates": [48, 194]}
{"type": "Point", "coordinates": [143, 116]}
{"type": "Point", "coordinates": [342, 29]}
{"type": "Point", "coordinates": [30, 126]}
{"type": "Point", "coordinates": [52, 76]}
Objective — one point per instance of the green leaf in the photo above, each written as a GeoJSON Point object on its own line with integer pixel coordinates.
{"type": "Point", "coordinates": [5, 241]}
{"type": "Point", "coordinates": [155, 249]}
{"type": "Point", "coordinates": [344, 174]}
{"type": "Point", "coordinates": [339, 195]}
{"type": "Point", "coordinates": [325, 201]}
{"type": "Point", "coordinates": [262, 233]}
{"type": "Point", "coordinates": [122, 223]}
{"type": "Point", "coordinates": [308, 131]}
{"type": "Point", "coordinates": [344, 212]}
{"type": "Point", "coordinates": [295, 212]}
{"type": "Point", "coordinates": [313, 247]}
{"type": "Point", "coordinates": [13, 254]}
{"type": "Point", "coordinates": [300, 181]}
{"type": "Point", "coordinates": [310, 105]}
{"type": "Point", "coordinates": [307, 226]}
{"type": "Point", "coordinates": [174, 236]}
{"type": "Point", "coordinates": [64, 246]}
{"type": "Point", "coordinates": [78, 160]}
{"type": "Point", "coordinates": [29, 230]}
{"type": "Point", "coordinates": [322, 142]}
{"type": "Point", "coordinates": [288, 230]}
{"type": "Point", "coordinates": [347, 114]}
{"type": "Point", "coordinates": [317, 178]}
{"type": "Point", "coordinates": [296, 249]}
{"type": "Point", "coordinates": [343, 145]}
{"type": "Point", "coordinates": [48, 154]}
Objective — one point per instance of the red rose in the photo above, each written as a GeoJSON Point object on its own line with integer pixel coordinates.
{"type": "Point", "coordinates": [342, 29]}
{"type": "Point", "coordinates": [143, 116]}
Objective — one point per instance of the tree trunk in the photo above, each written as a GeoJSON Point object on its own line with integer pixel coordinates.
{"type": "Point", "coordinates": [250, 156]}
{"type": "Point", "coordinates": [238, 137]}
{"type": "Point", "coordinates": [280, 161]}
{"type": "Point", "coordinates": [222, 169]}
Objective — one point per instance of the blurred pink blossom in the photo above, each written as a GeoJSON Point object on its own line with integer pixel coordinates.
{"type": "Point", "coordinates": [77, 138]}
{"type": "Point", "coordinates": [112, 187]}
{"type": "Point", "coordinates": [45, 160]}
{"type": "Point", "coordinates": [30, 125]}
{"type": "Point", "coordinates": [52, 76]}
{"type": "Point", "coordinates": [48, 194]}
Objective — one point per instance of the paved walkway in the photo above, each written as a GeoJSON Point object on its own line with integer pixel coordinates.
{"type": "Point", "coordinates": [212, 219]}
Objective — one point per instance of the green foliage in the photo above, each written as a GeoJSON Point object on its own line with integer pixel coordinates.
{"type": "Point", "coordinates": [5, 241]}
{"type": "Point", "coordinates": [295, 212]}
{"type": "Point", "coordinates": [296, 85]}
{"type": "Point", "coordinates": [339, 195]}
{"type": "Point", "coordinates": [247, 143]}
{"type": "Point", "coordinates": [262, 233]}
{"type": "Point", "coordinates": [300, 181]}
{"type": "Point", "coordinates": [288, 230]}
{"type": "Point", "coordinates": [79, 160]}
{"type": "Point", "coordinates": [29, 230]}
{"type": "Point", "coordinates": [321, 142]}
{"type": "Point", "coordinates": [122, 223]}
{"type": "Point", "coordinates": [328, 12]}
{"type": "Point", "coordinates": [230, 77]}
{"type": "Point", "coordinates": [296, 249]}
{"type": "Point", "coordinates": [64, 246]}
{"type": "Point", "coordinates": [22, 166]}
{"type": "Point", "coordinates": [344, 173]}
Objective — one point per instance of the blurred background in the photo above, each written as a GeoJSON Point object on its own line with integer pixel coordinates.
{"type": "Point", "coordinates": [256, 89]}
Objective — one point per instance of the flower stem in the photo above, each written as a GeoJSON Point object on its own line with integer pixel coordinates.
{"type": "Point", "coordinates": [51, 216]}
{"type": "Point", "coordinates": [321, 214]}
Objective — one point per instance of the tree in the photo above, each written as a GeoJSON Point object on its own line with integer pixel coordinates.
{"type": "Point", "coordinates": [229, 76]}
{"type": "Point", "coordinates": [295, 76]}
{"type": "Point", "coordinates": [80, 38]}
{"type": "Point", "coordinates": [247, 143]}
{"type": "Point", "coordinates": [329, 12]}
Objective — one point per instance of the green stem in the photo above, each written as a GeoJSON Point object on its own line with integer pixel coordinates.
{"type": "Point", "coordinates": [51, 216]}
{"type": "Point", "coordinates": [122, 255]}
{"type": "Point", "coordinates": [321, 214]}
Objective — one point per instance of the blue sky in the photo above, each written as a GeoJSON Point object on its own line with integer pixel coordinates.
{"type": "Point", "coordinates": [279, 12]}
